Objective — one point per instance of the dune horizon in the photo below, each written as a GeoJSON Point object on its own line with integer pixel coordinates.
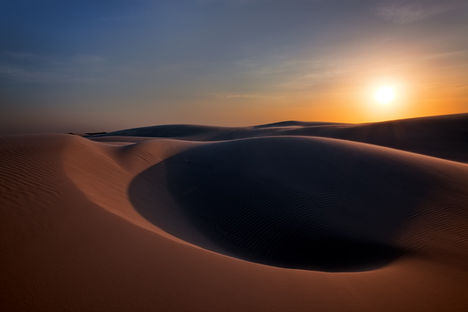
{"type": "Point", "coordinates": [273, 122]}
{"type": "Point", "coordinates": [87, 129]}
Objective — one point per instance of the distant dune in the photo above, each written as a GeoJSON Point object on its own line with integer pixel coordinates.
{"type": "Point", "coordinates": [289, 216]}
{"type": "Point", "coordinates": [439, 136]}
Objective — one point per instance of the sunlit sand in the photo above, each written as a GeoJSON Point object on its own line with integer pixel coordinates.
{"type": "Point", "coordinates": [290, 216]}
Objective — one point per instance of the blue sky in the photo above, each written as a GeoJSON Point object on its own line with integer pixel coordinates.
{"type": "Point", "coordinates": [92, 65]}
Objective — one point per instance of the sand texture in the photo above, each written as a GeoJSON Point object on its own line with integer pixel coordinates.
{"type": "Point", "coordinates": [290, 216]}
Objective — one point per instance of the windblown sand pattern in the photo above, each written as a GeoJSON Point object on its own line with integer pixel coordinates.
{"type": "Point", "coordinates": [289, 216]}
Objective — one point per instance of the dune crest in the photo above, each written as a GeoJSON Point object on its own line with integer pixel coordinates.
{"type": "Point", "coordinates": [439, 136]}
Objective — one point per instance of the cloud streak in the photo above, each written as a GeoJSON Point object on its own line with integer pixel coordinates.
{"type": "Point", "coordinates": [35, 68]}
{"type": "Point", "coordinates": [406, 12]}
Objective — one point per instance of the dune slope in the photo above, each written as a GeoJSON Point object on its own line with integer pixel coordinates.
{"type": "Point", "coordinates": [260, 224]}
{"type": "Point", "coordinates": [439, 136]}
{"type": "Point", "coordinates": [293, 201]}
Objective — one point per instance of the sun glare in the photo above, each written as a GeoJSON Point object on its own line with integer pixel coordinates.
{"type": "Point", "coordinates": [384, 94]}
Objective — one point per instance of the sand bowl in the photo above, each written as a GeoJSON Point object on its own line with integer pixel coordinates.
{"type": "Point", "coordinates": [288, 201]}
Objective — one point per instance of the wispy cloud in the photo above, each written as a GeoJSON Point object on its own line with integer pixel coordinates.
{"type": "Point", "coordinates": [455, 54]}
{"type": "Point", "coordinates": [49, 59]}
{"type": "Point", "coordinates": [408, 11]}
{"type": "Point", "coordinates": [27, 75]}
{"type": "Point", "coordinates": [246, 96]}
{"type": "Point", "coordinates": [36, 68]}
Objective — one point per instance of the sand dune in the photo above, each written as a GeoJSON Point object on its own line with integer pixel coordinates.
{"type": "Point", "coordinates": [270, 222]}
{"type": "Point", "coordinates": [296, 202]}
{"type": "Point", "coordinates": [439, 136]}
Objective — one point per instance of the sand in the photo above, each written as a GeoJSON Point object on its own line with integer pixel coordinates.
{"type": "Point", "coordinates": [275, 217]}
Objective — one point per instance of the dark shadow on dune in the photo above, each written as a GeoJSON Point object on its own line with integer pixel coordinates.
{"type": "Point", "coordinates": [289, 202]}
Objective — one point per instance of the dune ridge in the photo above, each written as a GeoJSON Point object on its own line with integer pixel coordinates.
{"type": "Point", "coordinates": [439, 136]}
{"type": "Point", "coordinates": [276, 223]}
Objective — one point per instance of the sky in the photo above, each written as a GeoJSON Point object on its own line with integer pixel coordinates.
{"type": "Point", "coordinates": [82, 66]}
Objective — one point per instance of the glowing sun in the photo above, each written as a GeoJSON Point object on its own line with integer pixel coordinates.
{"type": "Point", "coordinates": [384, 94]}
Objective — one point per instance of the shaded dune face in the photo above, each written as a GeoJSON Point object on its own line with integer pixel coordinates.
{"type": "Point", "coordinates": [439, 136]}
{"type": "Point", "coordinates": [292, 202]}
